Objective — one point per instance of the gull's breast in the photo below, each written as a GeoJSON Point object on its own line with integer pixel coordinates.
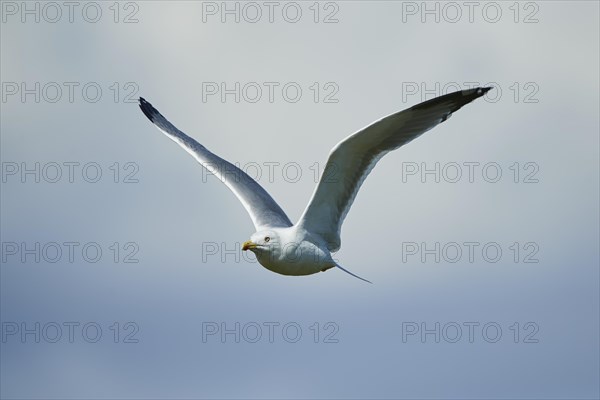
{"type": "Point", "coordinates": [302, 259]}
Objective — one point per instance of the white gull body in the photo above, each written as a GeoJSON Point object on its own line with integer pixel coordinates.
{"type": "Point", "coordinates": [305, 248]}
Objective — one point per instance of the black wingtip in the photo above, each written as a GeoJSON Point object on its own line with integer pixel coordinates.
{"type": "Point", "coordinates": [484, 90]}
{"type": "Point", "coordinates": [455, 99]}
{"type": "Point", "coordinates": [147, 109]}
{"type": "Point", "coordinates": [475, 93]}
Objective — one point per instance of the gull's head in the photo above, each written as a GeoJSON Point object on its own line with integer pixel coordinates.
{"type": "Point", "coordinates": [263, 241]}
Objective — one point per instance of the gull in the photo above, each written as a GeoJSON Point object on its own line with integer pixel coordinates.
{"type": "Point", "coordinates": [306, 247]}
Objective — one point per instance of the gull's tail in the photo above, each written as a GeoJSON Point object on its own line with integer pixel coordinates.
{"type": "Point", "coordinates": [348, 272]}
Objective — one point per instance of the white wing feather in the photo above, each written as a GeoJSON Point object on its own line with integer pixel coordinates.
{"type": "Point", "coordinates": [263, 210]}
{"type": "Point", "coordinates": [351, 160]}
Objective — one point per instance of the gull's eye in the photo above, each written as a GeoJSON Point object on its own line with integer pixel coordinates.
{"type": "Point", "coordinates": [267, 239]}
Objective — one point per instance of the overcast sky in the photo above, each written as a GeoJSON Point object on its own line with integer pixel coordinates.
{"type": "Point", "coordinates": [122, 274]}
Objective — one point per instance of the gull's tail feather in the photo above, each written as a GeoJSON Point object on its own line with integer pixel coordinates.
{"type": "Point", "coordinates": [354, 275]}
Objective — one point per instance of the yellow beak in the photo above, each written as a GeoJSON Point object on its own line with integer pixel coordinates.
{"type": "Point", "coordinates": [248, 245]}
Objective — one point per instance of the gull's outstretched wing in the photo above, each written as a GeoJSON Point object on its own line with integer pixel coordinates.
{"type": "Point", "coordinates": [263, 210]}
{"type": "Point", "coordinates": [353, 158]}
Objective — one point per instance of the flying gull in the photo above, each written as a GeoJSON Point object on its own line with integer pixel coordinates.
{"type": "Point", "coordinates": [305, 248]}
